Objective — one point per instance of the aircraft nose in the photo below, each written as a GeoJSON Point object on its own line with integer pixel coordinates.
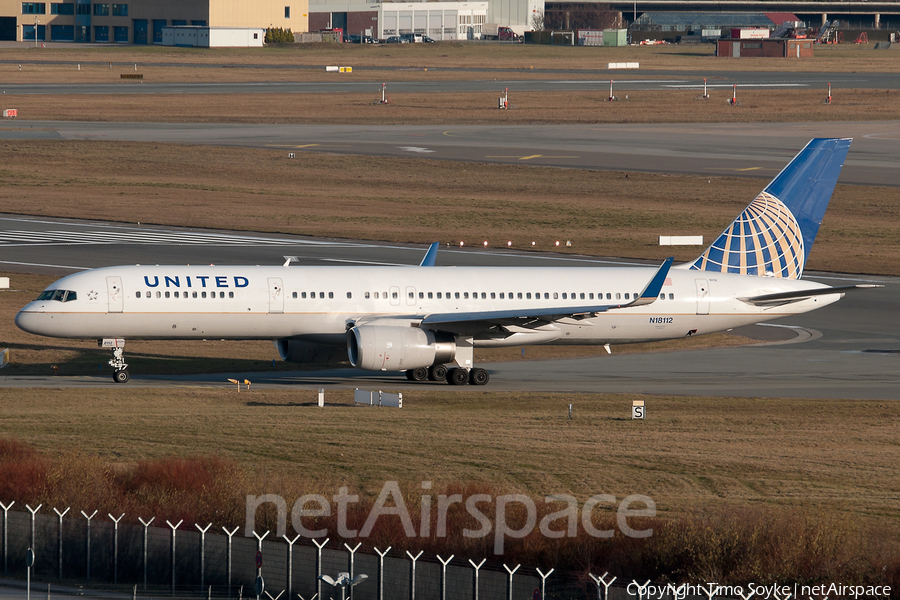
{"type": "Point", "coordinates": [30, 321]}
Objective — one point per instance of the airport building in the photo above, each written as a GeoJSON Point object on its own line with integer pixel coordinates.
{"type": "Point", "coordinates": [143, 21]}
{"type": "Point", "coordinates": [438, 20]}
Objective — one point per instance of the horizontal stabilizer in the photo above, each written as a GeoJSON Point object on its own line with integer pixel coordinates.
{"type": "Point", "coordinates": [797, 296]}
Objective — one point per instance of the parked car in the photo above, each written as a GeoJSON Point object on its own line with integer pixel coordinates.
{"type": "Point", "coordinates": [412, 37]}
{"type": "Point", "coordinates": [396, 39]}
{"type": "Point", "coordinates": [427, 39]}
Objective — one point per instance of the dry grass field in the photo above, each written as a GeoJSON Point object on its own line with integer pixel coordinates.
{"type": "Point", "coordinates": [819, 475]}
{"type": "Point", "coordinates": [413, 200]}
{"type": "Point", "coordinates": [306, 62]}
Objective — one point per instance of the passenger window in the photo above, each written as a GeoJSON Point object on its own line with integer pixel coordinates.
{"type": "Point", "coordinates": [501, 296]}
{"type": "Point", "coordinates": [202, 294]}
{"type": "Point", "coordinates": [547, 295]}
{"type": "Point", "coordinates": [608, 295]}
{"type": "Point", "coordinates": [627, 296]}
{"type": "Point", "coordinates": [330, 295]}
{"type": "Point", "coordinates": [367, 295]}
{"type": "Point", "coordinates": [384, 295]}
{"type": "Point", "coordinates": [493, 295]}
{"type": "Point", "coordinates": [591, 296]}
{"type": "Point", "coordinates": [411, 295]}
{"type": "Point", "coordinates": [520, 296]}
{"type": "Point", "coordinates": [582, 295]}
{"type": "Point", "coordinates": [564, 295]}
{"type": "Point", "coordinates": [158, 295]}
{"type": "Point", "coordinates": [349, 294]}
{"type": "Point", "coordinates": [294, 295]}
{"type": "Point", "coordinates": [303, 295]}
{"type": "Point", "coordinates": [422, 295]}
{"type": "Point", "coordinates": [395, 295]}
{"type": "Point", "coordinates": [167, 294]}
{"type": "Point", "coordinates": [221, 294]}
{"type": "Point", "coordinates": [618, 296]}
{"type": "Point", "coordinates": [322, 295]}
{"type": "Point", "coordinates": [456, 294]}
{"type": "Point", "coordinates": [555, 295]}
{"type": "Point", "coordinates": [438, 296]}
{"type": "Point", "coordinates": [176, 295]}
{"type": "Point", "coordinates": [376, 295]}
{"type": "Point", "coordinates": [137, 294]}
{"type": "Point", "coordinates": [528, 295]}
{"type": "Point", "coordinates": [194, 294]}
{"type": "Point", "coordinates": [484, 295]}
{"type": "Point", "coordinates": [671, 296]}
{"type": "Point", "coordinates": [466, 295]}
{"type": "Point", "coordinates": [231, 294]}
{"type": "Point", "coordinates": [429, 295]}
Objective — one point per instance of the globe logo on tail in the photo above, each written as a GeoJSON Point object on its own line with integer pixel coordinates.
{"type": "Point", "coordinates": [764, 240]}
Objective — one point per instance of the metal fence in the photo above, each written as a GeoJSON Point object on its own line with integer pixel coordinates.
{"type": "Point", "coordinates": [172, 560]}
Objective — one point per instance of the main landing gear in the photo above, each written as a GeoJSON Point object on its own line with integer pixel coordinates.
{"type": "Point", "coordinates": [454, 376]}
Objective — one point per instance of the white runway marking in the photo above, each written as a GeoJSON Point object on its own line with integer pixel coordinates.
{"type": "Point", "coordinates": [82, 237]}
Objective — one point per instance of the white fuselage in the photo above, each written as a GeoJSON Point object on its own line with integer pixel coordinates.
{"type": "Point", "coordinates": [319, 304]}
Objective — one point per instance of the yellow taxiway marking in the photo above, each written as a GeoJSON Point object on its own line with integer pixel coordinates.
{"type": "Point", "coordinates": [291, 145]}
{"type": "Point", "coordinates": [530, 157]}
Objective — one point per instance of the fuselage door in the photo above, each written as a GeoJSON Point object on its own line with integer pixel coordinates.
{"type": "Point", "coordinates": [115, 294]}
{"type": "Point", "coordinates": [276, 295]}
{"type": "Point", "coordinates": [395, 296]}
{"type": "Point", "coordinates": [702, 296]}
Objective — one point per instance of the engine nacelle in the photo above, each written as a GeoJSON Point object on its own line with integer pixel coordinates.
{"type": "Point", "coordinates": [393, 348]}
{"type": "Point", "coordinates": [297, 351]}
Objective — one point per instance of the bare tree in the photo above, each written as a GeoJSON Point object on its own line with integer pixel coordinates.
{"type": "Point", "coordinates": [537, 20]}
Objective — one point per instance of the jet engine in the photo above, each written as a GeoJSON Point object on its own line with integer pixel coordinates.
{"type": "Point", "coordinates": [392, 348]}
{"type": "Point", "coordinates": [297, 351]}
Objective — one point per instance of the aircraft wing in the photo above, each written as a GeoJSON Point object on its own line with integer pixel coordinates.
{"type": "Point", "coordinates": [796, 296]}
{"type": "Point", "coordinates": [485, 319]}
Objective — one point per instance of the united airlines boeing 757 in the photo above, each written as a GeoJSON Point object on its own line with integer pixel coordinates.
{"type": "Point", "coordinates": [427, 320]}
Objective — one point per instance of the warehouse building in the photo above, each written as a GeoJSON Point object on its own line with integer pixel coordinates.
{"type": "Point", "coordinates": [143, 21]}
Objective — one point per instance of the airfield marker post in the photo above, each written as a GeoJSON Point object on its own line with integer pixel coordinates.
{"type": "Point", "coordinates": [444, 564]}
{"type": "Point", "coordinates": [146, 525]}
{"type": "Point", "coordinates": [352, 562]}
{"type": "Point", "coordinates": [202, 553]}
{"type": "Point", "coordinates": [115, 546]}
{"type": "Point", "coordinates": [29, 562]}
{"type": "Point", "coordinates": [511, 573]}
{"type": "Point", "coordinates": [381, 556]}
{"type": "Point", "coordinates": [88, 556]}
{"type": "Point", "coordinates": [319, 566]}
{"type": "Point", "coordinates": [230, 535]}
{"type": "Point", "coordinates": [477, 568]}
{"type": "Point", "coordinates": [290, 564]}
{"type": "Point", "coordinates": [59, 537]}
{"type": "Point", "coordinates": [174, 527]}
{"type": "Point", "coordinates": [33, 512]}
{"type": "Point", "coordinates": [544, 581]}
{"type": "Point", "coordinates": [5, 528]}
{"type": "Point", "coordinates": [412, 584]}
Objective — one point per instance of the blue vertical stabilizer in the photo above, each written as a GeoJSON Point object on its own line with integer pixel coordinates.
{"type": "Point", "coordinates": [774, 234]}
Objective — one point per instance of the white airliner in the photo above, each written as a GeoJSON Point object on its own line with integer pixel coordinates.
{"type": "Point", "coordinates": [427, 320]}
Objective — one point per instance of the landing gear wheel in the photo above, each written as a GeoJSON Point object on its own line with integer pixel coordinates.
{"type": "Point", "coordinates": [420, 374]}
{"type": "Point", "coordinates": [121, 376]}
{"type": "Point", "coordinates": [437, 373]}
{"type": "Point", "coordinates": [479, 377]}
{"type": "Point", "coordinates": [457, 377]}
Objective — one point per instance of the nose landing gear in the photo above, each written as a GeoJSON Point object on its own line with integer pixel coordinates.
{"type": "Point", "coordinates": [120, 367]}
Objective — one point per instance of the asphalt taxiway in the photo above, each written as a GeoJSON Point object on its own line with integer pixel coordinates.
{"type": "Point", "coordinates": [745, 149]}
{"type": "Point", "coordinates": [849, 350]}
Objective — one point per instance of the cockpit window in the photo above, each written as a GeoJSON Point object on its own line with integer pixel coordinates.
{"type": "Point", "coordinates": [58, 295]}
